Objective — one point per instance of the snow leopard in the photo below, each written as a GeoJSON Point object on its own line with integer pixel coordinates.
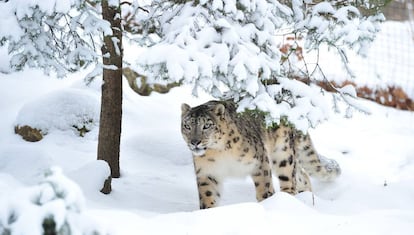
{"type": "Point", "coordinates": [225, 143]}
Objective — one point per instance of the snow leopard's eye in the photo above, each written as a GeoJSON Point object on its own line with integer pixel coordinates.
{"type": "Point", "coordinates": [187, 127]}
{"type": "Point", "coordinates": [207, 125]}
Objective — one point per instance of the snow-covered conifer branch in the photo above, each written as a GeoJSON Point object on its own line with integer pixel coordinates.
{"type": "Point", "coordinates": [229, 49]}
{"type": "Point", "coordinates": [59, 36]}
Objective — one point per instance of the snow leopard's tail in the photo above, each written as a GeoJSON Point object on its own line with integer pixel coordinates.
{"type": "Point", "coordinates": [315, 164]}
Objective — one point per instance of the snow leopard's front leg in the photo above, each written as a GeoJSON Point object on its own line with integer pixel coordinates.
{"type": "Point", "coordinates": [208, 183]}
{"type": "Point", "coordinates": [208, 191]}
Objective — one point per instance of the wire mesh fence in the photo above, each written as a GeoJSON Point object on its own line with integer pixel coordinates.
{"type": "Point", "coordinates": [386, 74]}
{"type": "Point", "coordinates": [391, 58]}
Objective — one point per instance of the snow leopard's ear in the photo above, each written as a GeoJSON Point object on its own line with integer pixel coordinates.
{"type": "Point", "coordinates": [184, 109]}
{"type": "Point", "coordinates": [219, 110]}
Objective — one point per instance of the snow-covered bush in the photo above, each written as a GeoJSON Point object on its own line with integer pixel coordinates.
{"type": "Point", "coordinates": [55, 206]}
{"type": "Point", "coordinates": [66, 109]}
{"type": "Point", "coordinates": [229, 49]}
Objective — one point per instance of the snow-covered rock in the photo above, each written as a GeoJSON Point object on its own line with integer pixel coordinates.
{"type": "Point", "coordinates": [66, 109]}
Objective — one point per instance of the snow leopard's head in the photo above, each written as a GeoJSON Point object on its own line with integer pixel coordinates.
{"type": "Point", "coordinates": [201, 126]}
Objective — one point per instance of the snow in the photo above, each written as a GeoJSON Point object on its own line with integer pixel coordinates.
{"type": "Point", "coordinates": [157, 193]}
{"type": "Point", "coordinates": [186, 50]}
{"type": "Point", "coordinates": [64, 109]}
{"type": "Point", "coordinates": [389, 60]}
{"type": "Point", "coordinates": [55, 197]}
{"type": "Point", "coordinates": [59, 176]}
{"type": "Point", "coordinates": [323, 8]}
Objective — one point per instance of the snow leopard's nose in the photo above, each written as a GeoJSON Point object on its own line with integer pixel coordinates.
{"type": "Point", "coordinates": [195, 142]}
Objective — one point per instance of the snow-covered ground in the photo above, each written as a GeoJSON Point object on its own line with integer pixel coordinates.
{"type": "Point", "coordinates": [157, 192]}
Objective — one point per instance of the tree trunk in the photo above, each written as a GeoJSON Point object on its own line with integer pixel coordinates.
{"type": "Point", "coordinates": [111, 101]}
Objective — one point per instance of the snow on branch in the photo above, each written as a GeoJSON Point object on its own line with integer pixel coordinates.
{"type": "Point", "coordinates": [338, 24]}
{"type": "Point", "coordinates": [207, 41]}
{"type": "Point", "coordinates": [55, 205]}
{"type": "Point", "coordinates": [229, 49]}
{"type": "Point", "coordinates": [60, 36]}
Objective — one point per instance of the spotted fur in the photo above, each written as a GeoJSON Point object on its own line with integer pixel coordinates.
{"type": "Point", "coordinates": [226, 144]}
